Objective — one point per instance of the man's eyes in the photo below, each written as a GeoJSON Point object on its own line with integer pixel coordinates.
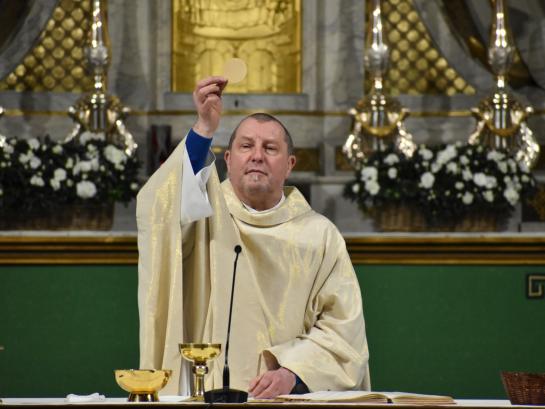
{"type": "Point", "coordinates": [268, 148]}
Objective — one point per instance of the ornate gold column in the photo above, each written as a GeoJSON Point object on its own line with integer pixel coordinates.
{"type": "Point", "coordinates": [98, 112]}
{"type": "Point", "coordinates": [377, 119]}
{"type": "Point", "coordinates": [501, 118]}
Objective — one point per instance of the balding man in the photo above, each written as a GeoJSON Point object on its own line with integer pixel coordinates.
{"type": "Point", "coordinates": [297, 318]}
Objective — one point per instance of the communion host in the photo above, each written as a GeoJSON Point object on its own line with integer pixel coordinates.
{"type": "Point", "coordinates": [297, 321]}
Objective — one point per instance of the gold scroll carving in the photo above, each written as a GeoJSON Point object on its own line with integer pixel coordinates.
{"type": "Point", "coordinates": [266, 34]}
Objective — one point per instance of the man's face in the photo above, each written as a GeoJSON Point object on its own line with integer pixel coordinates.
{"type": "Point", "coordinates": [258, 162]}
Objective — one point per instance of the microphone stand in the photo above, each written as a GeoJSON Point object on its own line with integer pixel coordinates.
{"type": "Point", "coordinates": [226, 394]}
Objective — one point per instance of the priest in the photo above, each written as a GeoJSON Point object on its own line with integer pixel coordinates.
{"type": "Point", "coordinates": [297, 315]}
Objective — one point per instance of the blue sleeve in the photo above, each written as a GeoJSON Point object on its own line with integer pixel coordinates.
{"type": "Point", "coordinates": [197, 148]}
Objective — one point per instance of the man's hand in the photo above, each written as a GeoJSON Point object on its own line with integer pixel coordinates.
{"type": "Point", "coordinates": [272, 383]}
{"type": "Point", "coordinates": [207, 99]}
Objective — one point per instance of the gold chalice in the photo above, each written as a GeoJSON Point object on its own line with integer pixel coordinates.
{"type": "Point", "coordinates": [142, 384]}
{"type": "Point", "coordinates": [199, 355]}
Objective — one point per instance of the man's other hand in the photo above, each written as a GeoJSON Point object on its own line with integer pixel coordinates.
{"type": "Point", "coordinates": [272, 383]}
{"type": "Point", "coordinates": [207, 100]}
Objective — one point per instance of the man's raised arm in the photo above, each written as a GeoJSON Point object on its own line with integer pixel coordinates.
{"type": "Point", "coordinates": [208, 103]}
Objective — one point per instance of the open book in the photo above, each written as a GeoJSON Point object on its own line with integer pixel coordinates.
{"type": "Point", "coordinates": [370, 397]}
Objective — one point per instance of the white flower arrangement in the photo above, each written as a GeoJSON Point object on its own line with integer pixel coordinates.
{"type": "Point", "coordinates": [444, 182]}
{"type": "Point", "coordinates": [41, 174]}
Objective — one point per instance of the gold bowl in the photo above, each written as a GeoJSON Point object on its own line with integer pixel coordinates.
{"type": "Point", "coordinates": [142, 384]}
{"type": "Point", "coordinates": [199, 353]}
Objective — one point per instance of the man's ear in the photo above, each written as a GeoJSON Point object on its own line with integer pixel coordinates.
{"type": "Point", "coordinates": [291, 164]}
{"type": "Point", "coordinates": [227, 158]}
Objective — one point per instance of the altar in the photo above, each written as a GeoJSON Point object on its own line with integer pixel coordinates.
{"type": "Point", "coordinates": [17, 403]}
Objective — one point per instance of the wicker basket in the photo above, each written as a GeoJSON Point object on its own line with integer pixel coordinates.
{"type": "Point", "coordinates": [404, 218]}
{"type": "Point", "coordinates": [67, 217]}
{"type": "Point", "coordinates": [398, 217]}
{"type": "Point", "coordinates": [524, 388]}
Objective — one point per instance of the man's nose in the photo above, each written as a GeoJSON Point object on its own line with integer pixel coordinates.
{"type": "Point", "coordinates": [257, 154]}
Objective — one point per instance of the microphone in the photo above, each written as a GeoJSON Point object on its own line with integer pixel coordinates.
{"type": "Point", "coordinates": [226, 394]}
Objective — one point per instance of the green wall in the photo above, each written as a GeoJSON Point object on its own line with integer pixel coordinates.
{"type": "Point", "coordinates": [66, 328]}
{"type": "Point", "coordinates": [431, 329]}
{"type": "Point", "coordinates": [451, 329]}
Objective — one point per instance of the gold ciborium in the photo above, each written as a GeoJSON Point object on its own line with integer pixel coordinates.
{"type": "Point", "coordinates": [142, 384]}
{"type": "Point", "coordinates": [199, 355]}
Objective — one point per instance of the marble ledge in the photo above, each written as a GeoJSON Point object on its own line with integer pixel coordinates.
{"type": "Point", "coordinates": [419, 105]}
{"type": "Point", "coordinates": [285, 102]}
{"type": "Point", "coordinates": [537, 237]}
{"type": "Point", "coordinates": [117, 234]}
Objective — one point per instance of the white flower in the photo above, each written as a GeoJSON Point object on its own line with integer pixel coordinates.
{"type": "Point", "coordinates": [372, 187]}
{"type": "Point", "coordinates": [446, 154]}
{"type": "Point", "coordinates": [117, 156]}
{"type": "Point", "coordinates": [355, 187]}
{"type": "Point", "coordinates": [467, 198]}
{"type": "Point", "coordinates": [392, 173]}
{"type": "Point", "coordinates": [512, 164]}
{"type": "Point", "coordinates": [57, 149]}
{"type": "Point", "coordinates": [464, 160]}
{"type": "Point", "coordinates": [86, 189]}
{"type": "Point", "coordinates": [8, 149]}
{"type": "Point", "coordinates": [1, 191]}
{"type": "Point", "coordinates": [435, 167]}
{"type": "Point", "coordinates": [391, 159]}
{"type": "Point", "coordinates": [91, 148]}
{"type": "Point", "coordinates": [35, 162]}
{"type": "Point", "coordinates": [459, 185]}
{"type": "Point", "coordinates": [69, 182]}
{"type": "Point", "coordinates": [425, 153]}
{"type": "Point", "coordinates": [34, 143]}
{"type": "Point", "coordinates": [25, 157]}
{"type": "Point", "coordinates": [369, 173]}
{"type": "Point", "coordinates": [511, 195]}
{"type": "Point", "coordinates": [491, 182]}
{"type": "Point", "coordinates": [69, 163]}
{"type": "Point", "coordinates": [55, 184]}
{"type": "Point", "coordinates": [83, 166]}
{"type": "Point", "coordinates": [94, 164]}
{"type": "Point", "coordinates": [525, 178]}
{"type": "Point", "coordinates": [36, 181]}
{"type": "Point", "coordinates": [134, 186]}
{"type": "Point", "coordinates": [488, 196]}
{"type": "Point", "coordinates": [59, 174]}
{"type": "Point", "coordinates": [426, 180]}
{"type": "Point", "coordinates": [502, 166]}
{"type": "Point", "coordinates": [89, 136]}
{"type": "Point", "coordinates": [452, 167]}
{"type": "Point", "coordinates": [479, 179]}
{"type": "Point", "coordinates": [495, 155]}
{"type": "Point", "coordinates": [467, 175]}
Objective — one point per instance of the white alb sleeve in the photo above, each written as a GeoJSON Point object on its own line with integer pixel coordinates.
{"type": "Point", "coordinates": [195, 203]}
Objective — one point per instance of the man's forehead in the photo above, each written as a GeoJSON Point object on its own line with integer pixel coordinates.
{"type": "Point", "coordinates": [252, 129]}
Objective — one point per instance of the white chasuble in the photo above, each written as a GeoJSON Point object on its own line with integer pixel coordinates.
{"type": "Point", "coordinates": [297, 301]}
